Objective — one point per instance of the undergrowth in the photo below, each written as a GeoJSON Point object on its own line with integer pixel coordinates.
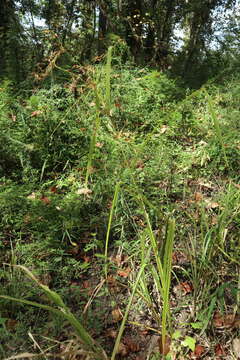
{"type": "Point", "coordinates": [62, 158]}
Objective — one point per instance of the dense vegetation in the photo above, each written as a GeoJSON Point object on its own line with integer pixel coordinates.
{"type": "Point", "coordinates": [119, 179]}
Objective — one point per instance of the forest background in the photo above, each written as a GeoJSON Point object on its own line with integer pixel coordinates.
{"type": "Point", "coordinates": [119, 179]}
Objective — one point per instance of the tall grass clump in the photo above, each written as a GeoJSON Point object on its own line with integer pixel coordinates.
{"type": "Point", "coordinates": [106, 98]}
{"type": "Point", "coordinates": [160, 273]}
{"type": "Point", "coordinates": [217, 127]}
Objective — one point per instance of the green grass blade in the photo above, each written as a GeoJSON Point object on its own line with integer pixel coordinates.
{"type": "Point", "coordinates": [52, 295]}
{"type": "Point", "coordinates": [155, 249]}
{"type": "Point", "coordinates": [114, 203]}
{"type": "Point", "coordinates": [108, 80]}
{"type": "Point", "coordinates": [32, 303]}
{"type": "Point", "coordinates": [167, 268]}
{"type": "Point", "coordinates": [92, 146]}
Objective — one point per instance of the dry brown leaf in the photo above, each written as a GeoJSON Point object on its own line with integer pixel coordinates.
{"type": "Point", "coordinates": [199, 351]}
{"type": "Point", "coordinates": [132, 346]}
{"type": "Point", "coordinates": [111, 281]}
{"type": "Point", "coordinates": [140, 164]}
{"type": "Point", "coordinates": [179, 258]}
{"type": "Point", "coordinates": [27, 219]}
{"type": "Point", "coordinates": [236, 347]}
{"type": "Point", "coordinates": [36, 113]}
{"type": "Point", "coordinates": [109, 204]}
{"type": "Point", "coordinates": [53, 189]}
{"type": "Point", "coordinates": [186, 287]}
{"type": "Point", "coordinates": [124, 273]}
{"type": "Point", "coordinates": [23, 356]}
{"type": "Point", "coordinates": [236, 323]}
{"type": "Point", "coordinates": [183, 288]}
{"type": "Point", "coordinates": [32, 196]}
{"type": "Point", "coordinates": [226, 321]}
{"type": "Point", "coordinates": [86, 284]}
{"type": "Point", "coordinates": [83, 191]}
{"type": "Point", "coordinates": [86, 259]}
{"type": "Point", "coordinates": [218, 320]}
{"type": "Point", "coordinates": [11, 324]}
{"type": "Point", "coordinates": [45, 200]}
{"type": "Point", "coordinates": [46, 279]}
{"type": "Point", "coordinates": [122, 349]}
{"type": "Point", "coordinates": [112, 333]}
{"type": "Point", "coordinates": [74, 250]}
{"type": "Point", "coordinates": [117, 315]}
{"type": "Point", "coordinates": [119, 259]}
{"type": "Point", "coordinates": [212, 204]}
{"type": "Point", "coordinates": [219, 350]}
{"type": "Point", "coordinates": [144, 332]}
{"type": "Point", "coordinates": [163, 129]}
{"type": "Point", "coordinates": [13, 117]}
{"type": "Point", "coordinates": [205, 184]}
{"type": "Point", "coordinates": [214, 220]}
{"type": "Point", "coordinates": [113, 285]}
{"type": "Point", "coordinates": [99, 145]}
{"type": "Point", "coordinates": [198, 196]}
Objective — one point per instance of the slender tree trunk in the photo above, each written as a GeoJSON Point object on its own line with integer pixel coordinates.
{"type": "Point", "coordinates": [165, 32]}
{"type": "Point", "coordinates": [9, 45]}
{"type": "Point", "coordinates": [134, 29]}
{"type": "Point", "coordinates": [102, 31]}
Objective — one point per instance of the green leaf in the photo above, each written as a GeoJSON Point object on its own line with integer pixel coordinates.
{"type": "Point", "coordinates": [189, 342]}
{"type": "Point", "coordinates": [197, 325]}
{"type": "Point", "coordinates": [176, 335]}
{"type": "Point", "coordinates": [2, 320]}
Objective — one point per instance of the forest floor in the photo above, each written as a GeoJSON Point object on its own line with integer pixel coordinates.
{"type": "Point", "coordinates": [126, 203]}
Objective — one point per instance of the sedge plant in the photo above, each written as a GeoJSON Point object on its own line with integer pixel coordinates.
{"type": "Point", "coordinates": [160, 271]}
{"type": "Point", "coordinates": [107, 104]}
{"type": "Point", "coordinates": [217, 127]}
